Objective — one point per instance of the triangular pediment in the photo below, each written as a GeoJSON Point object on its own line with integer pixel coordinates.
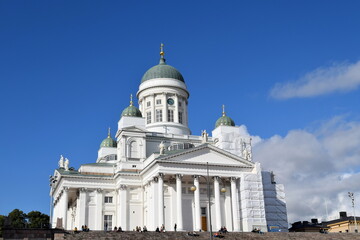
{"type": "Point", "coordinates": [131, 129]}
{"type": "Point", "coordinates": [207, 153]}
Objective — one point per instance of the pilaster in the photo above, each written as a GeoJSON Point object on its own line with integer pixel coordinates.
{"type": "Point", "coordinates": [176, 111]}
{"type": "Point", "coordinates": [165, 107]}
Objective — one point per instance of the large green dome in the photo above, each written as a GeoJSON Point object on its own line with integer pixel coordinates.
{"type": "Point", "coordinates": [224, 120]}
{"type": "Point", "coordinates": [162, 70]}
{"type": "Point", "coordinates": [108, 142]}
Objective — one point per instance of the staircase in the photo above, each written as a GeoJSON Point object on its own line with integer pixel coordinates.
{"type": "Point", "coordinates": [101, 235]}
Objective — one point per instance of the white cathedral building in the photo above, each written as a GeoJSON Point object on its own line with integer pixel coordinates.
{"type": "Point", "coordinates": [155, 172]}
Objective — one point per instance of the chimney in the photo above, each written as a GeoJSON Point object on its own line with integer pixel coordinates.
{"type": "Point", "coordinates": [314, 221]}
{"type": "Point", "coordinates": [343, 215]}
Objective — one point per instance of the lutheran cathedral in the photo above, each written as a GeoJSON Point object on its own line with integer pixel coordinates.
{"type": "Point", "coordinates": [154, 173]}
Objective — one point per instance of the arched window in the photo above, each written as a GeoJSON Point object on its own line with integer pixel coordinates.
{"type": "Point", "coordinates": [134, 149]}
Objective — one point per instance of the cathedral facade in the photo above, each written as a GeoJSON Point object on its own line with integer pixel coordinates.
{"type": "Point", "coordinates": [156, 173]}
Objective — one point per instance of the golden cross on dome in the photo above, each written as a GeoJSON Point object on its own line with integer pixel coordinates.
{"type": "Point", "coordinates": [109, 132]}
{"type": "Point", "coordinates": [223, 107]}
{"type": "Point", "coordinates": [162, 50]}
{"type": "Point", "coordinates": [131, 101]}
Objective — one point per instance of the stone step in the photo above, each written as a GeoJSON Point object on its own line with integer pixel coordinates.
{"type": "Point", "coordinates": [101, 235]}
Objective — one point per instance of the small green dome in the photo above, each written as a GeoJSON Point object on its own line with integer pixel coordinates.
{"type": "Point", "coordinates": [224, 120]}
{"type": "Point", "coordinates": [131, 111]}
{"type": "Point", "coordinates": [108, 142]}
{"type": "Point", "coordinates": [162, 70]}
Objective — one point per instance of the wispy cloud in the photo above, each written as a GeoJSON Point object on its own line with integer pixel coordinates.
{"type": "Point", "coordinates": [336, 78]}
{"type": "Point", "coordinates": [317, 167]}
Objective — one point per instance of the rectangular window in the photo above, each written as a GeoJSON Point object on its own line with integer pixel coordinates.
{"type": "Point", "coordinates": [158, 101]}
{"type": "Point", "coordinates": [170, 115]}
{"type": "Point", "coordinates": [158, 115]}
{"type": "Point", "coordinates": [148, 117]}
{"type": "Point", "coordinates": [180, 117]}
{"type": "Point", "coordinates": [148, 104]}
{"type": "Point", "coordinates": [108, 199]}
{"type": "Point", "coordinates": [203, 211]}
{"type": "Point", "coordinates": [108, 222]}
{"type": "Point", "coordinates": [179, 104]}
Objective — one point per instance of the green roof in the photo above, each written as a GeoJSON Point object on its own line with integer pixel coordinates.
{"type": "Point", "coordinates": [108, 142]}
{"type": "Point", "coordinates": [162, 70]}
{"type": "Point", "coordinates": [224, 120]}
{"type": "Point", "coordinates": [131, 111]}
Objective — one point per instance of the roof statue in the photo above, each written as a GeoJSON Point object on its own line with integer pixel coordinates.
{"type": "Point", "coordinates": [66, 164]}
{"type": "Point", "coordinates": [204, 136]}
{"type": "Point", "coordinates": [247, 153]}
{"type": "Point", "coordinates": [61, 162]}
{"type": "Point", "coordinates": [162, 148]}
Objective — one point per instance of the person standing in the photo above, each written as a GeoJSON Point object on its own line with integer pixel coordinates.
{"type": "Point", "coordinates": [175, 226]}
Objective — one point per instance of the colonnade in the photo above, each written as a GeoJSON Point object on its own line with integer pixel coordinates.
{"type": "Point", "coordinates": [197, 208]}
{"type": "Point", "coordinates": [164, 107]}
{"type": "Point", "coordinates": [121, 217]}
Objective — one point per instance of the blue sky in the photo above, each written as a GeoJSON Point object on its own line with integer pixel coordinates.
{"type": "Point", "coordinates": [287, 70]}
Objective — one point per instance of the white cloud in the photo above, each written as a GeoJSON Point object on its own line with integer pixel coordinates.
{"type": "Point", "coordinates": [336, 78]}
{"type": "Point", "coordinates": [318, 168]}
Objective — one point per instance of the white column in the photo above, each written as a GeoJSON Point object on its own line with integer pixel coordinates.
{"type": "Point", "coordinates": [123, 213]}
{"type": "Point", "coordinates": [82, 208]}
{"type": "Point", "coordinates": [161, 199]}
{"type": "Point", "coordinates": [234, 202]}
{"type": "Point", "coordinates": [65, 206]}
{"type": "Point", "coordinates": [197, 204]}
{"type": "Point", "coordinates": [153, 216]}
{"type": "Point", "coordinates": [217, 203]}
{"type": "Point", "coordinates": [165, 109]}
{"type": "Point", "coordinates": [98, 210]}
{"type": "Point", "coordinates": [179, 216]}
